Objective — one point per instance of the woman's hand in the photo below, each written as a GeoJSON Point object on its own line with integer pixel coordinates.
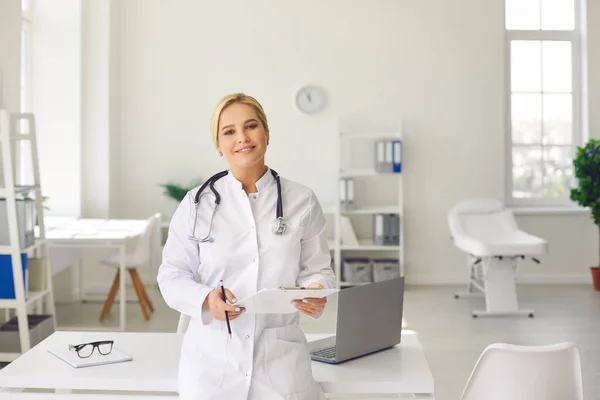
{"type": "Point", "coordinates": [217, 306]}
{"type": "Point", "coordinates": [310, 306]}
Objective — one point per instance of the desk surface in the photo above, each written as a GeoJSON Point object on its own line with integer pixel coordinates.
{"type": "Point", "coordinates": [402, 369]}
{"type": "Point", "coordinates": [66, 229]}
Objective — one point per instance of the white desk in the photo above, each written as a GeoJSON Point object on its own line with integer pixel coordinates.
{"type": "Point", "coordinates": [84, 233]}
{"type": "Point", "coordinates": [400, 370]}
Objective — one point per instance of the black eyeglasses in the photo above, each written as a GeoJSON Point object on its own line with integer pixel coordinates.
{"type": "Point", "coordinates": [84, 350]}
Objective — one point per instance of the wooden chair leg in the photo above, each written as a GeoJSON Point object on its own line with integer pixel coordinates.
{"type": "Point", "coordinates": [138, 291]}
{"type": "Point", "coordinates": [143, 289]}
{"type": "Point", "coordinates": [111, 297]}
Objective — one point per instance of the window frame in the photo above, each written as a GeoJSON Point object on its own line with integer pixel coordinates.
{"type": "Point", "coordinates": [577, 91]}
{"type": "Point", "coordinates": [23, 156]}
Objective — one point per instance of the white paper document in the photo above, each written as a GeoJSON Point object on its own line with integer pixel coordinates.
{"type": "Point", "coordinates": [279, 301]}
{"type": "Point", "coordinates": [71, 357]}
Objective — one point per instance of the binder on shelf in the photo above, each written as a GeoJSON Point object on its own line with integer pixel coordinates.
{"type": "Point", "coordinates": [343, 199]}
{"type": "Point", "coordinates": [378, 235]}
{"type": "Point", "coordinates": [397, 156]}
{"type": "Point", "coordinates": [7, 282]}
{"type": "Point", "coordinates": [380, 156]}
{"type": "Point", "coordinates": [387, 230]}
{"type": "Point", "coordinates": [395, 229]}
{"type": "Point", "coordinates": [350, 204]}
{"type": "Point", "coordinates": [389, 159]}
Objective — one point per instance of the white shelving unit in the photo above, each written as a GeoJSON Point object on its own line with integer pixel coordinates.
{"type": "Point", "coordinates": [375, 193]}
{"type": "Point", "coordinates": [10, 136]}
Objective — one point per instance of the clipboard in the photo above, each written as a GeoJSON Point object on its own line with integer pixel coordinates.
{"type": "Point", "coordinates": [278, 301]}
{"type": "Point", "coordinates": [71, 357]}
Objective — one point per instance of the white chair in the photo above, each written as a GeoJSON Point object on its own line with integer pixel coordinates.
{"type": "Point", "coordinates": [487, 231]}
{"type": "Point", "coordinates": [140, 257]}
{"type": "Point", "coordinates": [514, 372]}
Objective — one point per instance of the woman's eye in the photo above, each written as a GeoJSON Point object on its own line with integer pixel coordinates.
{"type": "Point", "coordinates": [230, 132]}
{"type": "Point", "coordinates": [253, 126]}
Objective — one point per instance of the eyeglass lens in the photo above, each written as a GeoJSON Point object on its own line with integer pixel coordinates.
{"type": "Point", "coordinates": [88, 349]}
{"type": "Point", "coordinates": [105, 348]}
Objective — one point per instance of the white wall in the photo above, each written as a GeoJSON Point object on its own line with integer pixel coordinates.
{"type": "Point", "coordinates": [96, 106]}
{"type": "Point", "coordinates": [57, 101]}
{"type": "Point", "coordinates": [10, 54]}
{"type": "Point", "coordinates": [438, 65]}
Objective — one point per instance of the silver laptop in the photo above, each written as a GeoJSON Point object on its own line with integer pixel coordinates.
{"type": "Point", "coordinates": [369, 319]}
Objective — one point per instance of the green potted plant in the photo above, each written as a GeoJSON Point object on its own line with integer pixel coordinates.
{"type": "Point", "coordinates": [587, 192]}
{"type": "Point", "coordinates": [27, 196]}
{"type": "Point", "coordinates": [176, 191]}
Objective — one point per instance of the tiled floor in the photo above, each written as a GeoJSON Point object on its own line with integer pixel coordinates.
{"type": "Point", "coordinates": [452, 340]}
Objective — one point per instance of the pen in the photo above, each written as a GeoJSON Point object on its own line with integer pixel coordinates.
{"type": "Point", "coordinates": [226, 312]}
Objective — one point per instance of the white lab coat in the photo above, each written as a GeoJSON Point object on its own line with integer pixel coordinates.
{"type": "Point", "coordinates": [267, 358]}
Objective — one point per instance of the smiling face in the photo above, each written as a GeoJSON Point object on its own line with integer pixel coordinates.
{"type": "Point", "coordinates": [242, 138]}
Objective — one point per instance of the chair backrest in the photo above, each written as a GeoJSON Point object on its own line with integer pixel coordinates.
{"type": "Point", "coordinates": [142, 250]}
{"type": "Point", "coordinates": [483, 218]}
{"type": "Point", "coordinates": [184, 322]}
{"type": "Point", "coordinates": [514, 372]}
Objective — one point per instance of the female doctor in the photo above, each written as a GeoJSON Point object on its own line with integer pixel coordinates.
{"type": "Point", "coordinates": [267, 356]}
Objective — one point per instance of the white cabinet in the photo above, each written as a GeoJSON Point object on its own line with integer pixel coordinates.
{"type": "Point", "coordinates": [368, 212]}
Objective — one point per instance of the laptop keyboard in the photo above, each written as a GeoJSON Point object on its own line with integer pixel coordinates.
{"type": "Point", "coordinates": [328, 353]}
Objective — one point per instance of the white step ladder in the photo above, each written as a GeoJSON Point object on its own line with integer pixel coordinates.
{"type": "Point", "coordinates": [10, 136]}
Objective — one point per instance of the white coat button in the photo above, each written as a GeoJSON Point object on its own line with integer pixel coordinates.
{"type": "Point", "coordinates": [253, 259]}
{"type": "Point", "coordinates": [247, 336]}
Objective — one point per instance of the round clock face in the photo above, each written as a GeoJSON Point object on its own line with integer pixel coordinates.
{"type": "Point", "coordinates": [310, 99]}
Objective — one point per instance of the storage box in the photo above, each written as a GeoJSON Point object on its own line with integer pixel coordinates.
{"type": "Point", "coordinates": [357, 270]}
{"type": "Point", "coordinates": [40, 327]}
{"type": "Point", "coordinates": [385, 269]}
{"type": "Point", "coordinates": [7, 286]}
{"type": "Point", "coordinates": [25, 223]}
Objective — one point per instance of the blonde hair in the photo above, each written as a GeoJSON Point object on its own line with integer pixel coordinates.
{"type": "Point", "coordinates": [228, 100]}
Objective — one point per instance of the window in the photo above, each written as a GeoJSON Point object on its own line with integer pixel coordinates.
{"type": "Point", "coordinates": [24, 174]}
{"type": "Point", "coordinates": [544, 98]}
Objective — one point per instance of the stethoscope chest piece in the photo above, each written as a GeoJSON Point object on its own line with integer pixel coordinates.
{"type": "Point", "coordinates": [279, 227]}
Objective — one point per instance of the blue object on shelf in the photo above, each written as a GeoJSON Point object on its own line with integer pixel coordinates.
{"type": "Point", "coordinates": [7, 286]}
{"type": "Point", "coordinates": [397, 156]}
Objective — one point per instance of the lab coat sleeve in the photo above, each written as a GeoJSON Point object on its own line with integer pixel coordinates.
{"type": "Point", "coordinates": [315, 259]}
{"type": "Point", "coordinates": [178, 270]}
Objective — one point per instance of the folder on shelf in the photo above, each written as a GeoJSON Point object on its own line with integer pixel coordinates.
{"type": "Point", "coordinates": [348, 236]}
{"type": "Point", "coordinates": [395, 229]}
{"type": "Point", "coordinates": [378, 235]}
{"type": "Point", "coordinates": [387, 230]}
{"type": "Point", "coordinates": [350, 203]}
{"type": "Point", "coordinates": [380, 156]}
{"type": "Point", "coordinates": [389, 156]}
{"type": "Point", "coordinates": [397, 156]}
{"type": "Point", "coordinates": [343, 193]}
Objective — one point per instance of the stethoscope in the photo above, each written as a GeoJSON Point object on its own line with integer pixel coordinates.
{"type": "Point", "coordinates": [279, 227]}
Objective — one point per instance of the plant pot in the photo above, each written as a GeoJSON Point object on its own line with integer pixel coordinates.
{"type": "Point", "coordinates": [596, 277]}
